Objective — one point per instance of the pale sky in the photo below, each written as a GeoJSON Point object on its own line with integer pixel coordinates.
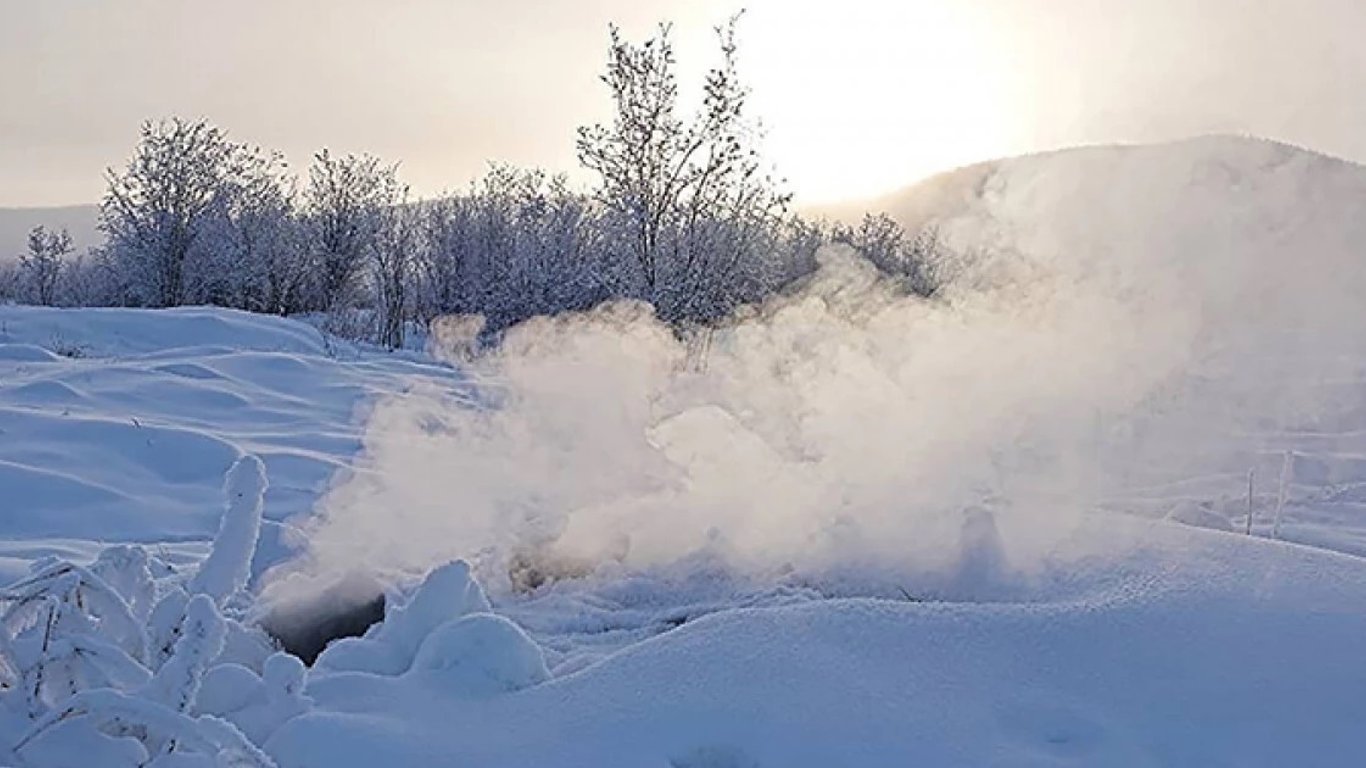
{"type": "Point", "coordinates": [860, 97]}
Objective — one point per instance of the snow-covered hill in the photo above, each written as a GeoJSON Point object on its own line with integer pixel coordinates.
{"type": "Point", "coordinates": [1237, 265]}
{"type": "Point", "coordinates": [118, 424]}
{"type": "Point", "coordinates": [854, 528]}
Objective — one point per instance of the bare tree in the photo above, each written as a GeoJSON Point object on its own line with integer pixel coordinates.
{"type": "Point", "coordinates": [393, 252]}
{"type": "Point", "coordinates": [41, 265]}
{"type": "Point", "coordinates": [519, 243]}
{"type": "Point", "coordinates": [262, 241]}
{"type": "Point", "coordinates": [10, 282]}
{"type": "Point", "coordinates": [690, 195]}
{"type": "Point", "coordinates": [157, 209]}
{"type": "Point", "coordinates": [342, 204]}
{"type": "Point", "coordinates": [444, 264]}
{"type": "Point", "coordinates": [88, 280]}
{"type": "Point", "coordinates": [885, 243]}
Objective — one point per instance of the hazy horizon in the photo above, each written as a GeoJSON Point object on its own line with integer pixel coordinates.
{"type": "Point", "coordinates": [858, 100]}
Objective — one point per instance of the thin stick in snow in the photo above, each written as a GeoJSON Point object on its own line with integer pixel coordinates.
{"type": "Point", "coordinates": [1250, 474]}
{"type": "Point", "coordinates": [1287, 471]}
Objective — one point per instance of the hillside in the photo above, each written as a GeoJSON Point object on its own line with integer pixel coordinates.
{"type": "Point", "coordinates": [1220, 274]}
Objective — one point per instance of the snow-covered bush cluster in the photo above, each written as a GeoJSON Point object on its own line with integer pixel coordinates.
{"type": "Point", "coordinates": [123, 661]}
{"type": "Point", "coordinates": [132, 660]}
{"type": "Point", "coordinates": [684, 217]}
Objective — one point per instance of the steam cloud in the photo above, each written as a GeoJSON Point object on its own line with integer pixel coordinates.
{"type": "Point", "coordinates": [1126, 318]}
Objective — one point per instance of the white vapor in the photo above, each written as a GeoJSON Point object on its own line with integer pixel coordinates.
{"type": "Point", "coordinates": [1121, 318]}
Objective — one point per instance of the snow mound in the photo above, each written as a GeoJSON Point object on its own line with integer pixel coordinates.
{"type": "Point", "coordinates": [258, 705]}
{"type": "Point", "coordinates": [1185, 651]}
{"type": "Point", "coordinates": [112, 332]}
{"type": "Point", "coordinates": [480, 654]}
{"type": "Point", "coordinates": [26, 353]}
{"type": "Point", "coordinates": [390, 647]}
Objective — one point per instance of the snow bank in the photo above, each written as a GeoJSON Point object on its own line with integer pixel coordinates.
{"type": "Point", "coordinates": [448, 592]}
{"type": "Point", "coordinates": [120, 332]}
{"type": "Point", "coordinates": [1196, 649]}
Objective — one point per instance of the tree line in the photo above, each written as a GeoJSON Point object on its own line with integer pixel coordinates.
{"type": "Point", "coordinates": [684, 215]}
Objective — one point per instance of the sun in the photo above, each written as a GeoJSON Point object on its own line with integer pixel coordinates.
{"type": "Point", "coordinates": [866, 96]}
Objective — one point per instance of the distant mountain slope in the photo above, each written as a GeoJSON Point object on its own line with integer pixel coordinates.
{"type": "Point", "coordinates": [15, 224]}
{"type": "Point", "coordinates": [1075, 197]}
{"type": "Point", "coordinates": [1226, 270]}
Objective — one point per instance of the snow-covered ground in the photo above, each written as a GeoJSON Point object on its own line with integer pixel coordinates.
{"type": "Point", "coordinates": [1003, 529]}
{"type": "Point", "coordinates": [117, 425]}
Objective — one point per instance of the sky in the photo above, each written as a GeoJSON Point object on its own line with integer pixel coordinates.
{"type": "Point", "coordinates": [858, 97]}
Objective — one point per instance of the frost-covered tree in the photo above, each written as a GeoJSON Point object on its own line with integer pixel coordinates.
{"type": "Point", "coordinates": [445, 263]}
{"type": "Point", "coordinates": [88, 280]}
{"type": "Point", "coordinates": [343, 201]}
{"type": "Point", "coordinates": [11, 282]}
{"type": "Point", "coordinates": [396, 241]}
{"type": "Point", "coordinates": [536, 238]}
{"type": "Point", "coordinates": [257, 261]}
{"type": "Point", "coordinates": [885, 243]}
{"type": "Point", "coordinates": [41, 264]}
{"type": "Point", "coordinates": [519, 243]}
{"type": "Point", "coordinates": [159, 208]}
{"type": "Point", "coordinates": [689, 197]}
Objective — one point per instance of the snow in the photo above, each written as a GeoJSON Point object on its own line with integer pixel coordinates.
{"type": "Point", "coordinates": [448, 592]}
{"type": "Point", "coordinates": [128, 436]}
{"type": "Point", "coordinates": [201, 637]}
{"type": "Point", "coordinates": [1192, 658]}
{"type": "Point", "coordinates": [870, 533]}
{"type": "Point", "coordinates": [227, 568]}
{"type": "Point", "coordinates": [480, 655]}
{"type": "Point", "coordinates": [256, 705]}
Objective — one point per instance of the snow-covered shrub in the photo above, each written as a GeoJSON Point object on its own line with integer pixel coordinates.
{"type": "Point", "coordinates": [104, 665]}
{"type": "Point", "coordinates": [162, 736]}
{"type": "Point", "coordinates": [228, 567]}
{"type": "Point", "coordinates": [256, 704]}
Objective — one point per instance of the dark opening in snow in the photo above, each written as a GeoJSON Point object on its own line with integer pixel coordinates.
{"type": "Point", "coordinates": [306, 630]}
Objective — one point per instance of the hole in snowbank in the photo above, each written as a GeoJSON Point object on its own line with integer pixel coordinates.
{"type": "Point", "coordinates": [305, 626]}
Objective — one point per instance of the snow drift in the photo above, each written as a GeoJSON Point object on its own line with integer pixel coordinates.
{"type": "Point", "coordinates": [1115, 319]}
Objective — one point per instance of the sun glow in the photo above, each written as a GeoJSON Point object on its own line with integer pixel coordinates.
{"type": "Point", "coordinates": [863, 97]}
